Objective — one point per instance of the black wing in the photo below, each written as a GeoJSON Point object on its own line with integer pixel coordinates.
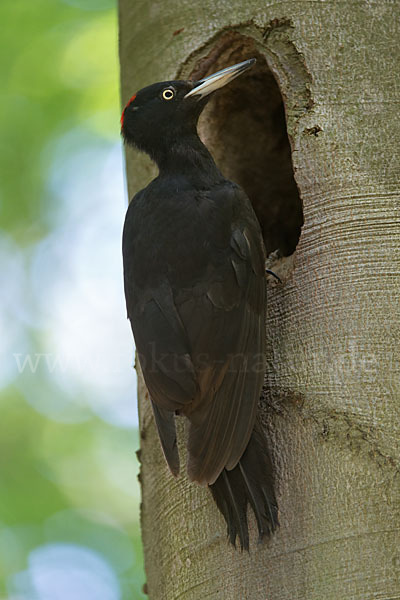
{"type": "Point", "coordinates": [196, 301]}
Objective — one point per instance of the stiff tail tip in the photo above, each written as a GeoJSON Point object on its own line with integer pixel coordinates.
{"type": "Point", "coordinates": [250, 482]}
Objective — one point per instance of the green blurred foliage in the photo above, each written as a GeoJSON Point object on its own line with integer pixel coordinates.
{"type": "Point", "coordinates": [59, 66]}
{"type": "Point", "coordinates": [61, 483]}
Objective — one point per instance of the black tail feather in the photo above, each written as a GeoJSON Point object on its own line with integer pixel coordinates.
{"type": "Point", "coordinates": [250, 482]}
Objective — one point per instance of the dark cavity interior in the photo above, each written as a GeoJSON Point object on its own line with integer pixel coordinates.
{"type": "Point", "coordinates": [244, 127]}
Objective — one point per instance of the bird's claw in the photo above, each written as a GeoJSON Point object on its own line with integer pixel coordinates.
{"type": "Point", "coordinates": [273, 274]}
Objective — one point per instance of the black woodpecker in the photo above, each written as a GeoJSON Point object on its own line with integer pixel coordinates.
{"type": "Point", "coordinates": [194, 280]}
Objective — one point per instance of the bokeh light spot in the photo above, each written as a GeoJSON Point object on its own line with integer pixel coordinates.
{"type": "Point", "coordinates": [66, 571]}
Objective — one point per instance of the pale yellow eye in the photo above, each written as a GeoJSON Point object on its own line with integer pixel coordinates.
{"type": "Point", "coordinates": [168, 94]}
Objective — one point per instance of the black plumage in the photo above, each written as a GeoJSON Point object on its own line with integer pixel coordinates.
{"type": "Point", "coordinates": [194, 279]}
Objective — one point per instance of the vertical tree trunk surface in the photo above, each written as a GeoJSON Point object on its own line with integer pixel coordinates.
{"type": "Point", "coordinates": [331, 402]}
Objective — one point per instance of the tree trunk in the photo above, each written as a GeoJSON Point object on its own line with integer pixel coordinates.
{"type": "Point", "coordinates": [331, 402]}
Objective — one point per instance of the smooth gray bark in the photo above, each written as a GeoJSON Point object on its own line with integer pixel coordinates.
{"type": "Point", "coordinates": [333, 381]}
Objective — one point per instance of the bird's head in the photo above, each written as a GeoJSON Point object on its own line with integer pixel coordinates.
{"type": "Point", "coordinates": [162, 113]}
